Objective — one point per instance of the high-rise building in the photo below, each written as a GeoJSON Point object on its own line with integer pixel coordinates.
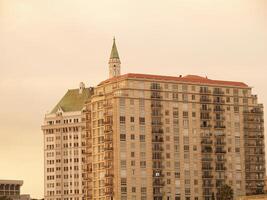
{"type": "Point", "coordinates": [174, 138]}
{"type": "Point", "coordinates": [64, 146]}
{"type": "Point", "coordinates": [151, 137]}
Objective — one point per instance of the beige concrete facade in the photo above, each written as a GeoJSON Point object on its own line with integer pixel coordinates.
{"type": "Point", "coordinates": [151, 137]}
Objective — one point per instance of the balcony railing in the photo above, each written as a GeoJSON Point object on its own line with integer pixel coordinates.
{"type": "Point", "coordinates": [219, 127]}
{"type": "Point", "coordinates": [221, 101]}
{"type": "Point", "coordinates": [202, 91]}
{"type": "Point", "coordinates": [205, 100]}
{"type": "Point", "coordinates": [218, 92]}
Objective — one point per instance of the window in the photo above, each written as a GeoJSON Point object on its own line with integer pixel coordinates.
{"type": "Point", "coordinates": [185, 114]}
{"type": "Point", "coordinates": [132, 119]}
{"type": "Point", "coordinates": [142, 138]}
{"type": "Point", "coordinates": [142, 164]}
{"type": "Point", "coordinates": [122, 119]}
{"type": "Point", "coordinates": [124, 190]}
{"type": "Point", "coordinates": [142, 120]}
{"type": "Point", "coordinates": [186, 147]}
{"type": "Point", "coordinates": [122, 137]}
{"type": "Point", "coordinates": [185, 97]}
{"type": "Point", "coordinates": [184, 87]}
{"type": "Point", "coordinates": [175, 95]}
{"type": "Point", "coordinates": [123, 164]}
{"type": "Point", "coordinates": [123, 181]}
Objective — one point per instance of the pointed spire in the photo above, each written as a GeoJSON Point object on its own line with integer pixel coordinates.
{"type": "Point", "coordinates": [114, 51]}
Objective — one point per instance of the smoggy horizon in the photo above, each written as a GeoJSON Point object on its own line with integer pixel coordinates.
{"type": "Point", "coordinates": [48, 47]}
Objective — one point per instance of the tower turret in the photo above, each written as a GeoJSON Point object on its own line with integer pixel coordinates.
{"type": "Point", "coordinates": [114, 61]}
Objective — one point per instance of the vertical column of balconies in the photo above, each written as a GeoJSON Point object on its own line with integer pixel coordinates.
{"type": "Point", "coordinates": [108, 149]}
{"type": "Point", "coordinates": [219, 142]}
{"type": "Point", "coordinates": [88, 182]}
{"type": "Point", "coordinates": [206, 143]}
{"type": "Point", "coordinates": [254, 151]}
{"type": "Point", "coordinates": [157, 141]}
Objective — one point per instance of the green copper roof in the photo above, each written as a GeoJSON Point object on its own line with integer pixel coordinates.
{"type": "Point", "coordinates": [114, 51]}
{"type": "Point", "coordinates": [73, 100]}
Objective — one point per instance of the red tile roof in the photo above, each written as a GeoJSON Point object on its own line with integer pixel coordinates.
{"type": "Point", "coordinates": [188, 79]}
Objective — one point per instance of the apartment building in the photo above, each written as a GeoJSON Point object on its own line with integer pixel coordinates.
{"type": "Point", "coordinates": [64, 146]}
{"type": "Point", "coordinates": [151, 137]}
{"type": "Point", "coordinates": [165, 137]}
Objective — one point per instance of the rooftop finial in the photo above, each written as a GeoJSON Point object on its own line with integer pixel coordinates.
{"type": "Point", "coordinates": [114, 51]}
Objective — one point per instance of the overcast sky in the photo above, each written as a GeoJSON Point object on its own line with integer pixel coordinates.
{"type": "Point", "coordinates": [49, 46]}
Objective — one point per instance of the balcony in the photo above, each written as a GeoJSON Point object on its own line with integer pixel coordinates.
{"type": "Point", "coordinates": [109, 175]}
{"type": "Point", "coordinates": [105, 105]}
{"type": "Point", "coordinates": [158, 149]}
{"type": "Point", "coordinates": [205, 126]}
{"type": "Point", "coordinates": [157, 131]}
{"type": "Point", "coordinates": [205, 100]}
{"type": "Point", "coordinates": [220, 143]}
{"type": "Point", "coordinates": [156, 96]}
{"type": "Point", "coordinates": [222, 134]}
{"type": "Point", "coordinates": [158, 182]}
{"type": "Point", "coordinates": [220, 168]}
{"type": "Point", "coordinates": [206, 159]}
{"type": "Point", "coordinates": [216, 101]}
{"type": "Point", "coordinates": [205, 118]}
{"type": "Point", "coordinates": [159, 157]}
{"type": "Point", "coordinates": [108, 157]}
{"type": "Point", "coordinates": [156, 123]}
{"type": "Point", "coordinates": [207, 176]}
{"type": "Point", "coordinates": [220, 151]}
{"type": "Point", "coordinates": [109, 184]}
{"type": "Point", "coordinates": [206, 142]}
{"type": "Point", "coordinates": [156, 105]}
{"type": "Point", "coordinates": [219, 119]}
{"type": "Point", "coordinates": [219, 127]}
{"type": "Point", "coordinates": [205, 110]}
{"type": "Point", "coordinates": [204, 91]}
{"type": "Point", "coordinates": [108, 148]}
{"type": "Point", "coordinates": [206, 151]}
{"type": "Point", "coordinates": [109, 193]}
{"type": "Point", "coordinates": [207, 168]}
{"type": "Point", "coordinates": [220, 160]}
{"type": "Point", "coordinates": [156, 115]}
{"type": "Point", "coordinates": [218, 92]}
{"type": "Point", "coordinates": [208, 185]}
{"type": "Point", "coordinates": [107, 166]}
{"type": "Point", "coordinates": [108, 139]}
{"type": "Point", "coordinates": [158, 139]}
{"type": "Point", "coordinates": [158, 175]}
{"type": "Point", "coordinates": [219, 110]}
{"type": "Point", "coordinates": [108, 130]}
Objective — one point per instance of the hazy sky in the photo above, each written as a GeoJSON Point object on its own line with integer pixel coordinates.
{"type": "Point", "coordinates": [49, 46]}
